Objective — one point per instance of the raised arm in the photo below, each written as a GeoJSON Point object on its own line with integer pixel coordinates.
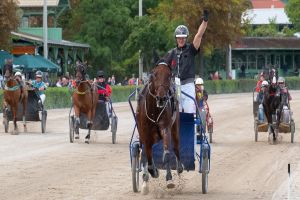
{"type": "Point", "coordinates": [201, 30]}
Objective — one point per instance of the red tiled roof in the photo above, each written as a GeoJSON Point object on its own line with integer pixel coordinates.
{"type": "Point", "coordinates": [267, 4]}
{"type": "Point", "coordinates": [260, 43]}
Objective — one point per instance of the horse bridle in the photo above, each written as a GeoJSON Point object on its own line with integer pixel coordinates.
{"type": "Point", "coordinates": [168, 100]}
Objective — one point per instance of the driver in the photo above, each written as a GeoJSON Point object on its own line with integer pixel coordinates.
{"type": "Point", "coordinates": [104, 90]}
{"type": "Point", "coordinates": [39, 85]}
{"type": "Point", "coordinates": [182, 61]}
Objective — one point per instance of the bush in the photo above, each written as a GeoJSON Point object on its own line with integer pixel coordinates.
{"type": "Point", "coordinates": [61, 97]}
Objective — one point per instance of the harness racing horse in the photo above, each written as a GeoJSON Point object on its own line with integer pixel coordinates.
{"type": "Point", "coordinates": [85, 98]}
{"type": "Point", "coordinates": [12, 95]}
{"type": "Point", "coordinates": [271, 104]}
{"type": "Point", "coordinates": [158, 118]}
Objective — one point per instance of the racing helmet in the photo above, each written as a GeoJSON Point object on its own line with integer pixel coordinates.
{"type": "Point", "coordinates": [18, 74]}
{"type": "Point", "coordinates": [281, 80]}
{"type": "Point", "coordinates": [181, 31]}
{"type": "Point", "coordinates": [100, 73]}
{"type": "Point", "coordinates": [264, 83]}
{"type": "Point", "coordinates": [199, 81]}
{"type": "Point", "coordinates": [39, 74]}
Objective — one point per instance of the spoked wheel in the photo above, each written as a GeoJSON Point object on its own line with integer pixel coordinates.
{"type": "Point", "coordinates": [114, 126]}
{"type": "Point", "coordinates": [205, 170]}
{"type": "Point", "coordinates": [292, 127]}
{"type": "Point", "coordinates": [255, 130]}
{"type": "Point", "coordinates": [71, 128]}
{"type": "Point", "coordinates": [210, 131]}
{"type": "Point", "coordinates": [43, 122]}
{"type": "Point", "coordinates": [135, 169]}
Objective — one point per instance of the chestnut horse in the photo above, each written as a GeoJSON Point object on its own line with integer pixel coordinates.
{"type": "Point", "coordinates": [158, 118]}
{"type": "Point", "coordinates": [85, 98]}
{"type": "Point", "coordinates": [13, 93]}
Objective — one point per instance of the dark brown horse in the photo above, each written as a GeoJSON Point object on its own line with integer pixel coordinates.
{"type": "Point", "coordinates": [85, 99]}
{"type": "Point", "coordinates": [271, 104]}
{"type": "Point", "coordinates": [12, 95]}
{"type": "Point", "coordinates": [158, 118]}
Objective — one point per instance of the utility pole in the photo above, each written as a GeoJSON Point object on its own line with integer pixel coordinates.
{"type": "Point", "coordinates": [45, 29]}
{"type": "Point", "coordinates": [140, 52]}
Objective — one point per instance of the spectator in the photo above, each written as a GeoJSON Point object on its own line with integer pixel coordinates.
{"type": "Point", "coordinates": [132, 81]}
{"type": "Point", "coordinates": [65, 81]}
{"type": "Point", "coordinates": [243, 71]}
{"type": "Point", "coordinates": [113, 80]}
{"type": "Point", "coordinates": [58, 82]}
{"type": "Point", "coordinates": [296, 72]}
{"type": "Point", "coordinates": [125, 81]}
{"type": "Point", "coordinates": [109, 81]}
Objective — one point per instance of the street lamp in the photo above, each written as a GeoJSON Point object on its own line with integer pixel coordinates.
{"type": "Point", "coordinates": [140, 52]}
{"type": "Point", "coordinates": [45, 29]}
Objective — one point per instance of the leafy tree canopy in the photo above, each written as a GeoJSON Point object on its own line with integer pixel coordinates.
{"type": "Point", "coordinates": [292, 9]}
{"type": "Point", "coordinates": [9, 21]}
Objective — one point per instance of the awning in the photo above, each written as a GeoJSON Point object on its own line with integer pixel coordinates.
{"type": "Point", "coordinates": [30, 63]}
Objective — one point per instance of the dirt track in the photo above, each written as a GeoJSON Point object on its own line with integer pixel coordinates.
{"type": "Point", "coordinates": [36, 166]}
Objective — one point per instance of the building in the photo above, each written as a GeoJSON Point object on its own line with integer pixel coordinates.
{"type": "Point", "coordinates": [29, 37]}
{"type": "Point", "coordinates": [256, 53]}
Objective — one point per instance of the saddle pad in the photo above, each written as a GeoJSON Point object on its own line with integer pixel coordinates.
{"type": "Point", "coordinates": [100, 121]}
{"type": "Point", "coordinates": [187, 145]}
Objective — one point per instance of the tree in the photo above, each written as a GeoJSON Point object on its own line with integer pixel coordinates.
{"type": "Point", "coordinates": [292, 9]}
{"type": "Point", "coordinates": [9, 21]}
{"type": "Point", "coordinates": [102, 24]}
{"type": "Point", "coordinates": [224, 24]}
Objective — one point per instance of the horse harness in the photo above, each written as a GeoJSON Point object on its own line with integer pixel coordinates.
{"type": "Point", "coordinates": [171, 101]}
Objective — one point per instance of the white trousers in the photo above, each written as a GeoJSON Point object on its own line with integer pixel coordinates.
{"type": "Point", "coordinates": [185, 102]}
{"type": "Point", "coordinates": [43, 97]}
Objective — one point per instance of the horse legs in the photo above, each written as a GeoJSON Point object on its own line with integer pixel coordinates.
{"type": "Point", "coordinates": [14, 114]}
{"type": "Point", "coordinates": [77, 122]}
{"type": "Point", "coordinates": [167, 155]}
{"type": "Point", "coordinates": [24, 102]}
{"type": "Point", "coordinates": [176, 148]}
{"type": "Point", "coordinates": [145, 185]}
{"type": "Point", "coordinates": [89, 125]}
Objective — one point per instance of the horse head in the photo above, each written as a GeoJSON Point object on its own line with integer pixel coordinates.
{"type": "Point", "coordinates": [80, 72]}
{"type": "Point", "coordinates": [160, 81]}
{"type": "Point", "coordinates": [8, 70]}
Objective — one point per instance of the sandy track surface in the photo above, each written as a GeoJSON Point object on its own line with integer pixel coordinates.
{"type": "Point", "coordinates": [47, 166]}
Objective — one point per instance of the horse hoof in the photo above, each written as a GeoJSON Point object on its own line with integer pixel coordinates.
{"type": "Point", "coordinates": [145, 188]}
{"type": "Point", "coordinates": [76, 136]}
{"type": "Point", "coordinates": [87, 141]}
{"type": "Point", "coordinates": [170, 185]}
{"type": "Point", "coordinates": [180, 168]}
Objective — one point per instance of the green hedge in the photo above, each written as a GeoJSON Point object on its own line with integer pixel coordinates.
{"type": "Point", "coordinates": [61, 97]}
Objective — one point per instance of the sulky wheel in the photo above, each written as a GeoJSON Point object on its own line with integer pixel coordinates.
{"type": "Point", "coordinates": [292, 127]}
{"type": "Point", "coordinates": [71, 128]}
{"type": "Point", "coordinates": [43, 121]}
{"type": "Point", "coordinates": [114, 125]}
{"type": "Point", "coordinates": [135, 169]}
{"type": "Point", "coordinates": [205, 170]}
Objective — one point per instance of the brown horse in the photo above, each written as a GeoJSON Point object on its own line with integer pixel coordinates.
{"type": "Point", "coordinates": [271, 104]}
{"type": "Point", "coordinates": [158, 118]}
{"type": "Point", "coordinates": [85, 99]}
{"type": "Point", "coordinates": [12, 95]}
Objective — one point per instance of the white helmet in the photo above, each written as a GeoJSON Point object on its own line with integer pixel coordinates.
{"type": "Point", "coordinates": [199, 81]}
{"type": "Point", "coordinates": [264, 83]}
{"type": "Point", "coordinates": [18, 74]}
{"type": "Point", "coordinates": [281, 80]}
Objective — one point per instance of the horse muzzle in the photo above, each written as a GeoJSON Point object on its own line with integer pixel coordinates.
{"type": "Point", "coordinates": [161, 101]}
